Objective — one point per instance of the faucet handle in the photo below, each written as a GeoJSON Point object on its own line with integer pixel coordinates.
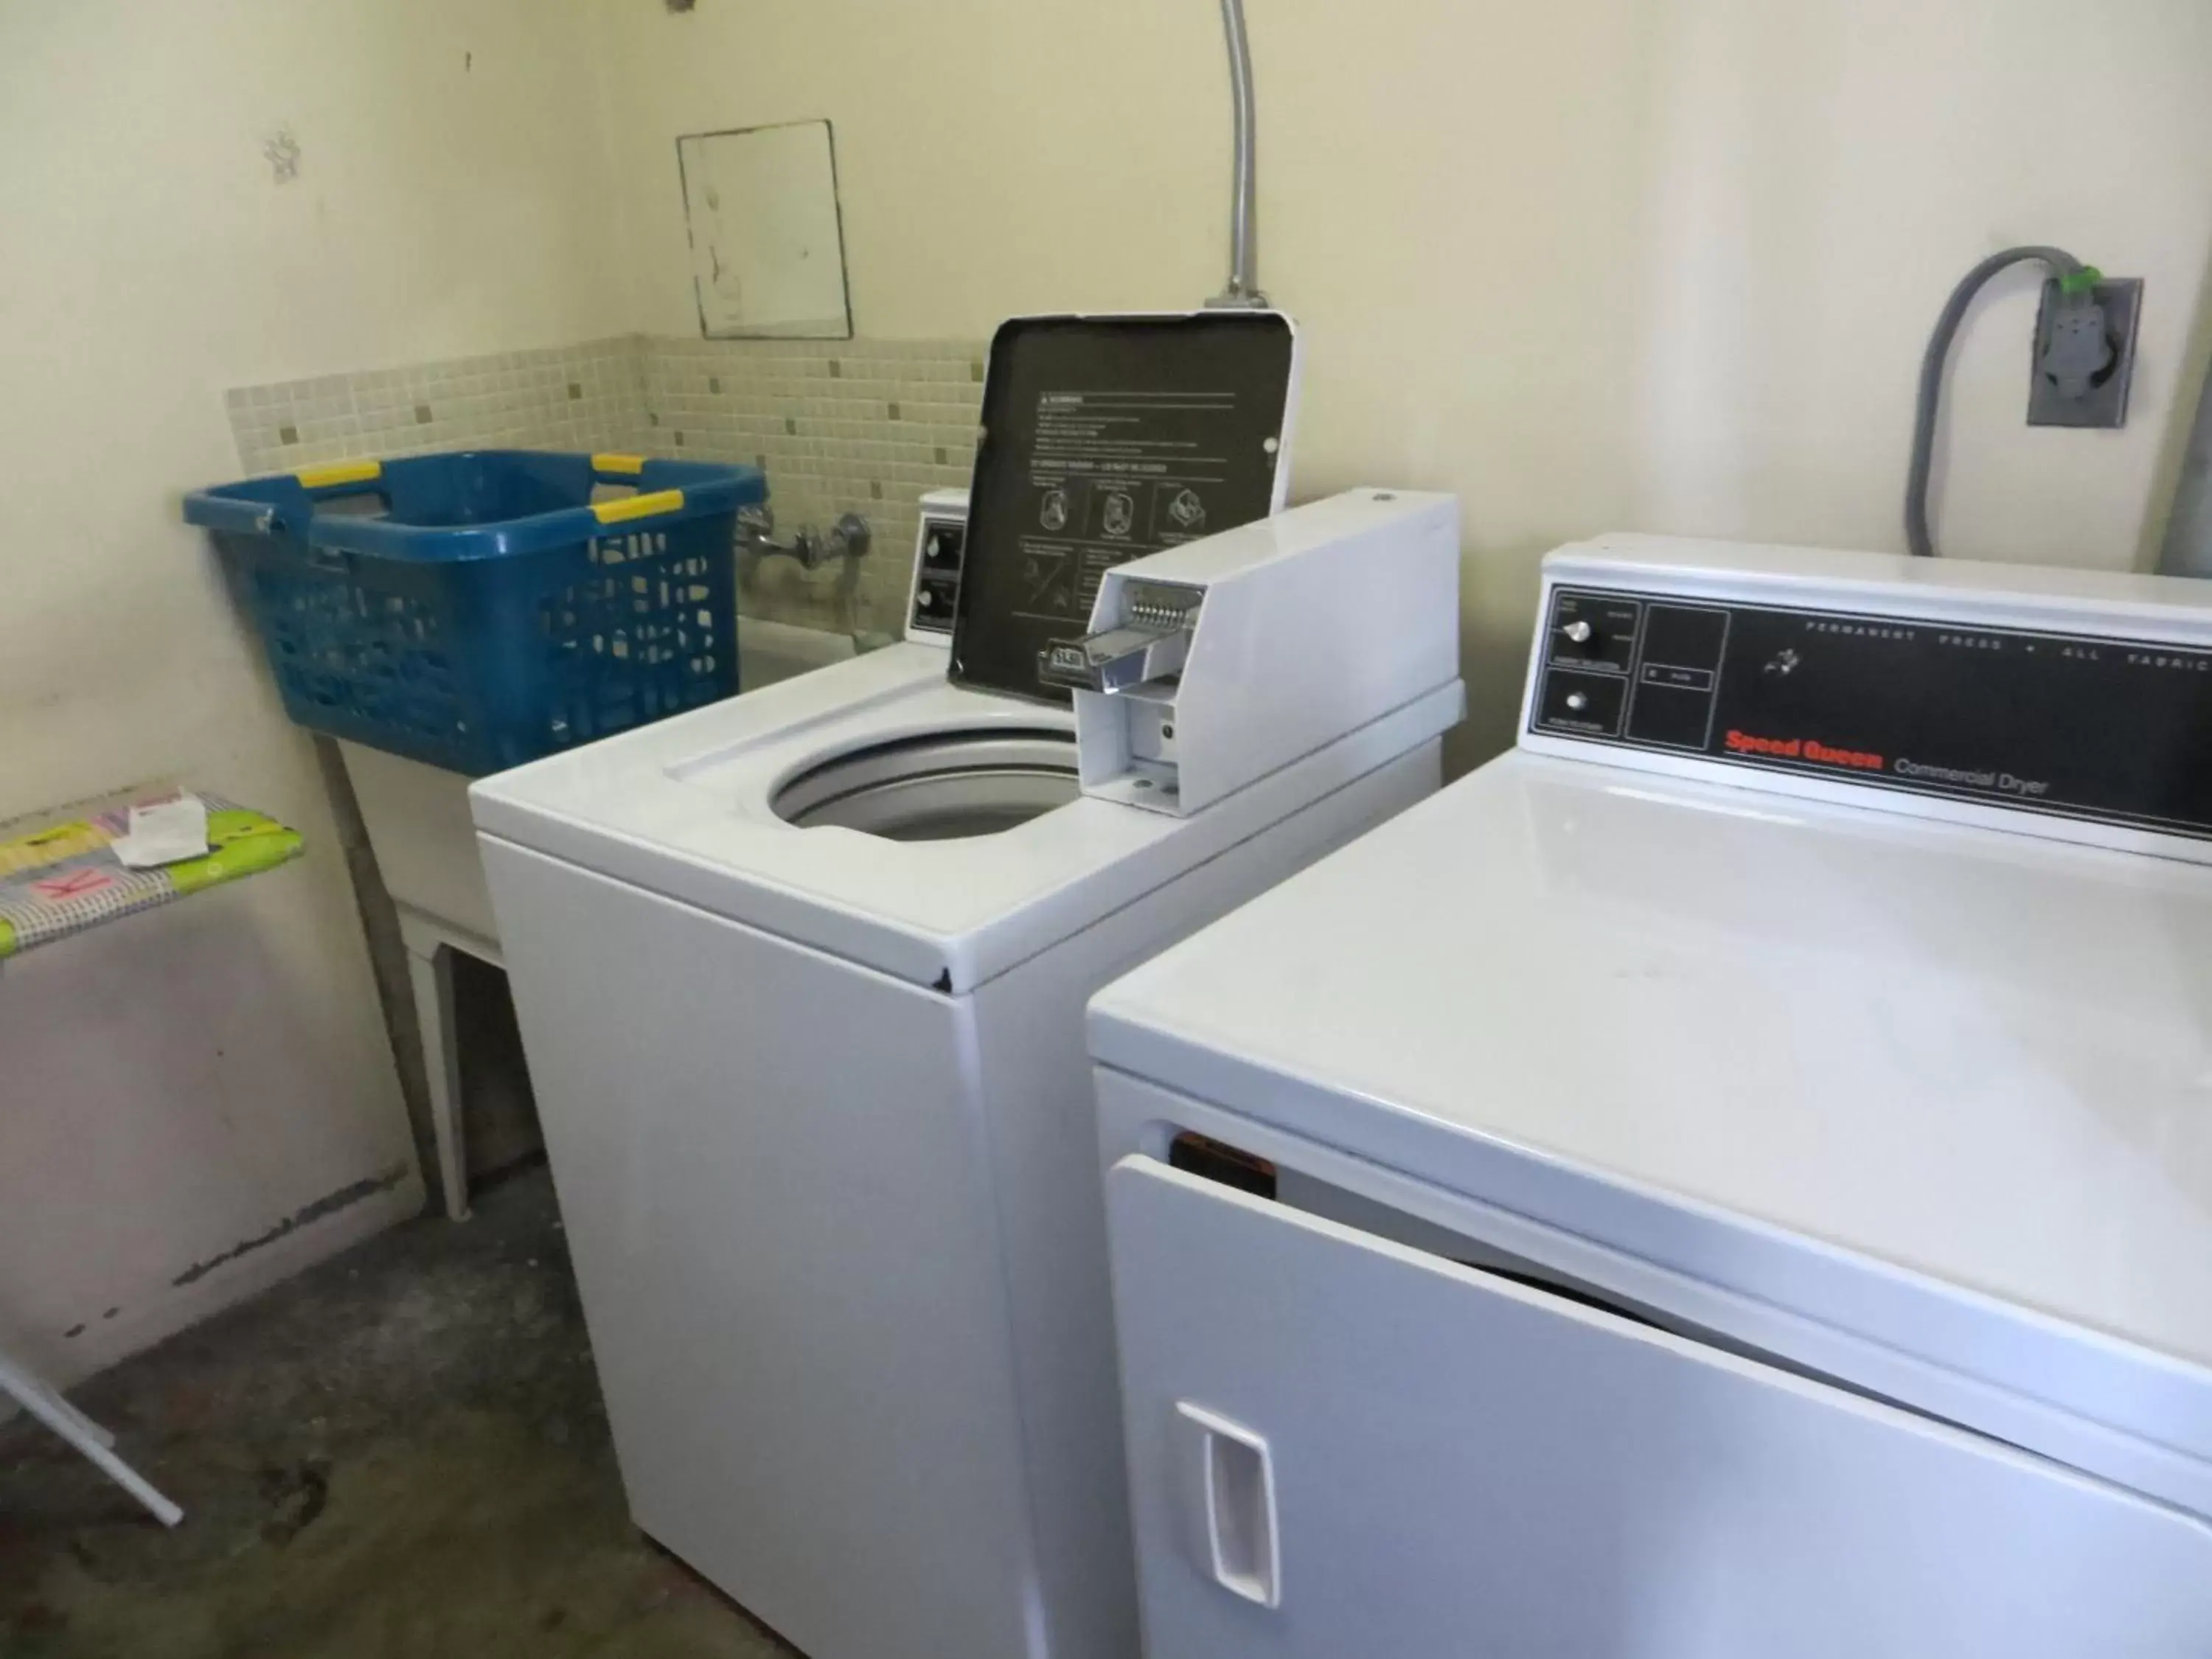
{"type": "Point", "coordinates": [850, 537]}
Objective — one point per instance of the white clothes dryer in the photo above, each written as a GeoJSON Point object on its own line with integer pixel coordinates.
{"type": "Point", "coordinates": [1730, 1178]}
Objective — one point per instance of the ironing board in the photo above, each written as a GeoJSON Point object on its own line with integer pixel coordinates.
{"type": "Point", "coordinates": [60, 878]}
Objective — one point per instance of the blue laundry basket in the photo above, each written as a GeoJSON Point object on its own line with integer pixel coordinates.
{"type": "Point", "coordinates": [478, 610]}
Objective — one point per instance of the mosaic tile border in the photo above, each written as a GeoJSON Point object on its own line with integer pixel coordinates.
{"type": "Point", "coordinates": [839, 425]}
{"type": "Point", "coordinates": [567, 397]}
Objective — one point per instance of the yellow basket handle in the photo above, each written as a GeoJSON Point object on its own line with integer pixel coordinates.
{"type": "Point", "coordinates": [339, 472]}
{"type": "Point", "coordinates": [638, 506]}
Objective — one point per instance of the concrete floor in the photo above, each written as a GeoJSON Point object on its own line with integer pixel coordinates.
{"type": "Point", "coordinates": [400, 1453]}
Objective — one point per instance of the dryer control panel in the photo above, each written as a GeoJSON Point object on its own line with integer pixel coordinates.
{"type": "Point", "coordinates": [2102, 728]}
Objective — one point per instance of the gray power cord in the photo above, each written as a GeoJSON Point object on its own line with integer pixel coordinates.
{"type": "Point", "coordinates": [2078, 350]}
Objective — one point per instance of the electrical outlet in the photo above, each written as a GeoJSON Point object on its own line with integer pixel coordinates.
{"type": "Point", "coordinates": [2099, 396]}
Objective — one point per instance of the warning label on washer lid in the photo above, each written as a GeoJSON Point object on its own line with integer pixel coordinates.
{"type": "Point", "coordinates": [1113, 474]}
{"type": "Point", "coordinates": [1105, 439]}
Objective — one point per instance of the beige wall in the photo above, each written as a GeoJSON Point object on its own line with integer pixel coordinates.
{"type": "Point", "coordinates": [180, 1085]}
{"type": "Point", "coordinates": [1664, 264]}
{"type": "Point", "coordinates": [1659, 263]}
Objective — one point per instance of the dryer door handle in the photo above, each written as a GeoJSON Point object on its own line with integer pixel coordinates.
{"type": "Point", "coordinates": [1237, 1474]}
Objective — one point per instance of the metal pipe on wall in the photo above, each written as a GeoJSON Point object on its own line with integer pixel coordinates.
{"type": "Point", "coordinates": [1243, 287]}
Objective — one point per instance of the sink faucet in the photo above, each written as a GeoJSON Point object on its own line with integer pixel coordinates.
{"type": "Point", "coordinates": [848, 539]}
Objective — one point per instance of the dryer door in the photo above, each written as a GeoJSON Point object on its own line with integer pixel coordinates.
{"type": "Point", "coordinates": [1339, 1445]}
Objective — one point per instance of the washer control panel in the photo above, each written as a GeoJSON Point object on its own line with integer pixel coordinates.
{"type": "Point", "coordinates": [2088, 727]}
{"type": "Point", "coordinates": [939, 553]}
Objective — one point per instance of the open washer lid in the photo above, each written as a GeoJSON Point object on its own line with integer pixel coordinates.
{"type": "Point", "coordinates": [700, 808]}
{"type": "Point", "coordinates": [1104, 438]}
{"type": "Point", "coordinates": [1924, 1107]}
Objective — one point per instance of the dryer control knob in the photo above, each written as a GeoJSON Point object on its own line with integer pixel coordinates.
{"type": "Point", "coordinates": [1578, 631]}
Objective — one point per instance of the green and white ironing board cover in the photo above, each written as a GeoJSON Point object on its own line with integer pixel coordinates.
{"type": "Point", "coordinates": [62, 877]}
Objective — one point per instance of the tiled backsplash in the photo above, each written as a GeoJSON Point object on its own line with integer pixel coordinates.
{"type": "Point", "coordinates": [860, 426]}
{"type": "Point", "coordinates": [581, 397]}
{"type": "Point", "coordinates": [840, 426]}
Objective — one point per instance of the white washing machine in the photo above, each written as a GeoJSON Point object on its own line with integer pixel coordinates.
{"type": "Point", "coordinates": [801, 978]}
{"type": "Point", "coordinates": [1731, 1178]}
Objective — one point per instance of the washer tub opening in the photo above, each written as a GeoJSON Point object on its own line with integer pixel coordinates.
{"type": "Point", "coordinates": [943, 786]}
